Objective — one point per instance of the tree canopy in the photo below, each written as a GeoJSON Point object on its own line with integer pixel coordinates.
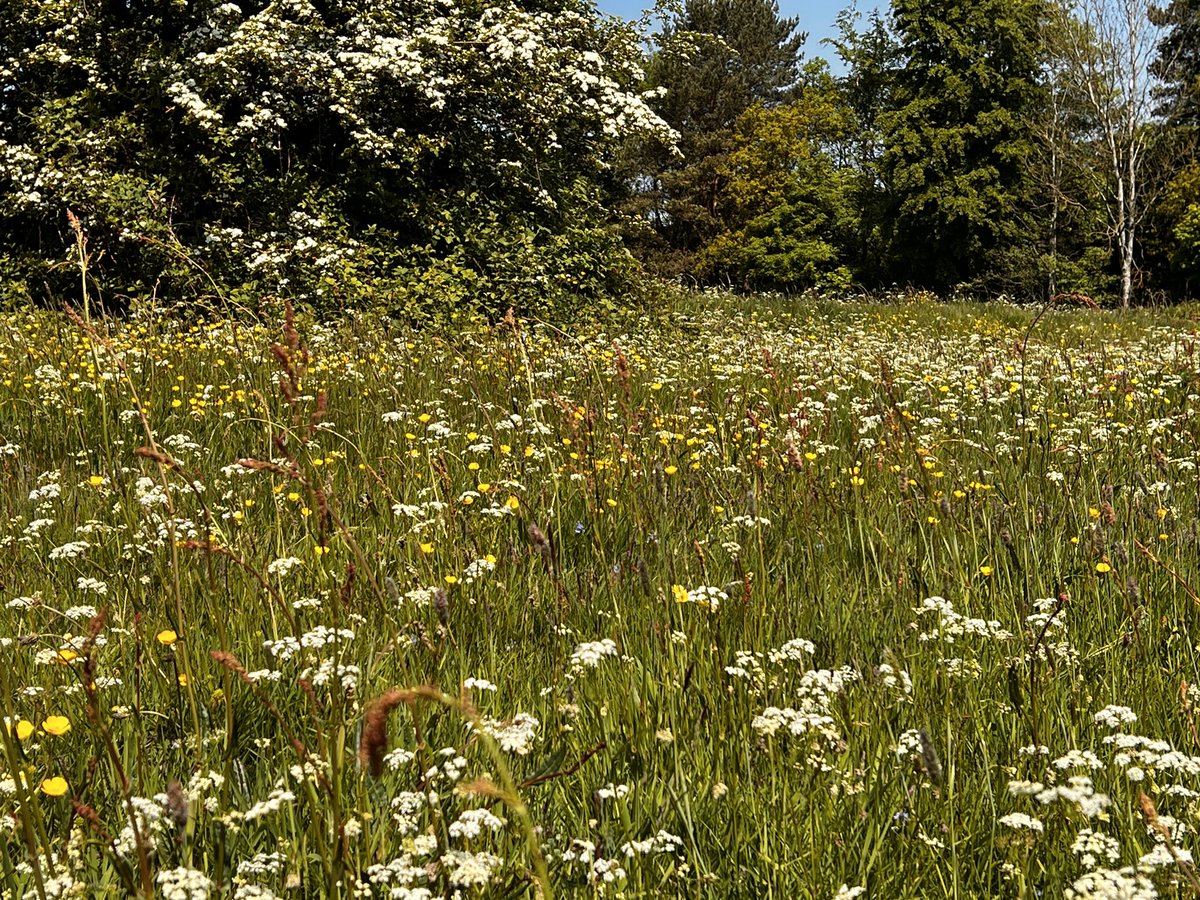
{"type": "Point", "coordinates": [957, 140]}
{"type": "Point", "coordinates": [430, 154]}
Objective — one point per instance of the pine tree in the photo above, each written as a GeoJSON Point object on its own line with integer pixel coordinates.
{"type": "Point", "coordinates": [741, 53]}
{"type": "Point", "coordinates": [1172, 239]}
{"type": "Point", "coordinates": [957, 140]}
{"type": "Point", "coordinates": [1177, 65]}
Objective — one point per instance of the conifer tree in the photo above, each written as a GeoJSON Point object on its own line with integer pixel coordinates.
{"type": "Point", "coordinates": [957, 140]}
{"type": "Point", "coordinates": [1173, 235]}
{"type": "Point", "coordinates": [741, 53]}
{"type": "Point", "coordinates": [1177, 65]}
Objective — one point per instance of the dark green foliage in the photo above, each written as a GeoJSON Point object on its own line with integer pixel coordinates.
{"type": "Point", "coordinates": [512, 152]}
{"type": "Point", "coordinates": [957, 141]}
{"type": "Point", "coordinates": [1178, 63]}
{"type": "Point", "coordinates": [1063, 246]}
{"type": "Point", "coordinates": [720, 57]}
{"type": "Point", "coordinates": [1172, 245]}
{"type": "Point", "coordinates": [871, 58]}
{"type": "Point", "coordinates": [335, 152]}
{"type": "Point", "coordinates": [784, 202]}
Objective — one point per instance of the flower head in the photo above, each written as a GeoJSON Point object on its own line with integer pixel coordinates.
{"type": "Point", "coordinates": [56, 725]}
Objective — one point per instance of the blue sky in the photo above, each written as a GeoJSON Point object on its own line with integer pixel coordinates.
{"type": "Point", "coordinates": [816, 16]}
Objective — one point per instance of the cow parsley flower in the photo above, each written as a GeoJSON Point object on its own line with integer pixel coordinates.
{"type": "Point", "coordinates": [183, 884]}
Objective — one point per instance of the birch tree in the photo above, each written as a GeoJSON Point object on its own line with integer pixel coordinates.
{"type": "Point", "coordinates": [1108, 66]}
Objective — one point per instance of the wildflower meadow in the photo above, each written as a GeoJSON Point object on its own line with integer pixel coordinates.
{"type": "Point", "coordinates": [735, 599]}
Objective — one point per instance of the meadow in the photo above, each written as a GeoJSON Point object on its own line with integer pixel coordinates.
{"type": "Point", "coordinates": [738, 599]}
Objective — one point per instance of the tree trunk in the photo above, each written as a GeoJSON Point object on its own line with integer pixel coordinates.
{"type": "Point", "coordinates": [1129, 235]}
{"type": "Point", "coordinates": [1055, 191]}
{"type": "Point", "coordinates": [1126, 268]}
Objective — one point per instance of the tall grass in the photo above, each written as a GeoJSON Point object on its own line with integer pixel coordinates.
{"type": "Point", "coordinates": [735, 600]}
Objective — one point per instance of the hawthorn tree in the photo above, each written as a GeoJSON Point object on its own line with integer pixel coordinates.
{"type": "Point", "coordinates": [328, 149]}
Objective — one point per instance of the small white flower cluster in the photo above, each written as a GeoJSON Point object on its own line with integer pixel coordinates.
{"type": "Point", "coordinates": [821, 685]}
{"type": "Point", "coordinates": [1146, 754]}
{"type": "Point", "coordinates": [37, 526]}
{"type": "Point", "coordinates": [272, 804]}
{"type": "Point", "coordinates": [957, 667]}
{"type": "Point", "coordinates": [202, 783]}
{"type": "Point", "coordinates": [183, 884]}
{"type": "Point", "coordinates": [470, 869]}
{"type": "Point", "coordinates": [71, 550]}
{"type": "Point", "coordinates": [601, 871]}
{"type": "Point", "coordinates": [797, 722]}
{"type": "Point", "coordinates": [1078, 791]}
{"type": "Point", "coordinates": [397, 758]}
{"type": "Point", "coordinates": [662, 842]}
{"type": "Point", "coordinates": [1115, 716]}
{"type": "Point", "coordinates": [477, 569]}
{"type": "Point", "coordinates": [406, 810]}
{"type": "Point", "coordinates": [473, 822]}
{"type": "Point", "coordinates": [49, 486]}
{"type": "Point", "coordinates": [186, 96]}
{"type": "Point", "coordinates": [1022, 821]}
{"type": "Point", "coordinates": [401, 874]}
{"type": "Point", "coordinates": [450, 769]}
{"type": "Point", "coordinates": [262, 865]}
{"type": "Point", "coordinates": [424, 516]}
{"type": "Point", "coordinates": [151, 821]}
{"type": "Point", "coordinates": [895, 681]}
{"type": "Point", "coordinates": [952, 625]}
{"type": "Point", "coordinates": [795, 650]}
{"type": "Point", "coordinates": [811, 713]}
{"type": "Point", "coordinates": [1078, 759]}
{"type": "Point", "coordinates": [908, 745]}
{"type": "Point", "coordinates": [514, 736]}
{"type": "Point", "coordinates": [1093, 846]}
{"type": "Point", "coordinates": [606, 871]}
{"type": "Point", "coordinates": [1112, 884]}
{"type": "Point", "coordinates": [330, 672]}
{"type": "Point", "coordinates": [63, 885]}
{"type": "Point", "coordinates": [613, 791]}
{"type": "Point", "coordinates": [591, 654]}
{"type": "Point", "coordinates": [706, 597]}
{"type": "Point", "coordinates": [421, 597]}
{"type": "Point", "coordinates": [748, 666]}
{"type": "Point", "coordinates": [317, 639]}
{"type": "Point", "coordinates": [1163, 856]}
{"type": "Point", "coordinates": [283, 566]}
{"type": "Point", "coordinates": [254, 892]}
